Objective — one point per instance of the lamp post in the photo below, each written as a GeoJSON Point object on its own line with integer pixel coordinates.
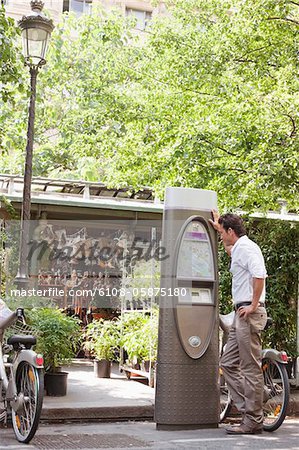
{"type": "Point", "coordinates": [36, 30]}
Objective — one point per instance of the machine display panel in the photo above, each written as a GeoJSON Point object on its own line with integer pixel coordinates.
{"type": "Point", "coordinates": [196, 296]}
{"type": "Point", "coordinates": [195, 255]}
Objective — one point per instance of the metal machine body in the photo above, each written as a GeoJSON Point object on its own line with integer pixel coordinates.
{"type": "Point", "coordinates": [187, 368]}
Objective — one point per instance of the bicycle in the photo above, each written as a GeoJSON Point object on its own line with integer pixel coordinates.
{"type": "Point", "coordinates": [276, 382]}
{"type": "Point", "coordinates": [21, 379]}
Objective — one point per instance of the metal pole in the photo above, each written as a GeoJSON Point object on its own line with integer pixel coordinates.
{"type": "Point", "coordinates": [153, 280]}
{"type": "Point", "coordinates": [22, 275]}
{"type": "Point", "coordinates": [297, 361]}
{"type": "Point", "coordinates": [1, 250]}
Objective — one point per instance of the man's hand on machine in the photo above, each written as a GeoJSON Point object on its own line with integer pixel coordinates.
{"type": "Point", "coordinates": [214, 221]}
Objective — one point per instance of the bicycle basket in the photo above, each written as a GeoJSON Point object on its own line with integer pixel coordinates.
{"type": "Point", "coordinates": [21, 329]}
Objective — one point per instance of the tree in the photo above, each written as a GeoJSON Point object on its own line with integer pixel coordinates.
{"type": "Point", "coordinates": [9, 66]}
{"type": "Point", "coordinates": [224, 101]}
{"type": "Point", "coordinates": [11, 86]}
{"type": "Point", "coordinates": [208, 100]}
{"type": "Point", "coordinates": [83, 104]}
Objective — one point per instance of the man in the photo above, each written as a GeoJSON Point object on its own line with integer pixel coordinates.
{"type": "Point", "coordinates": [241, 361]}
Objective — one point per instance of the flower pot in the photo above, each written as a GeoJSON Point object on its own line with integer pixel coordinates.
{"type": "Point", "coordinates": [97, 316]}
{"type": "Point", "coordinates": [102, 368]}
{"type": "Point", "coordinates": [56, 383]}
{"type": "Point", "coordinates": [146, 365]}
{"type": "Point", "coordinates": [152, 379]}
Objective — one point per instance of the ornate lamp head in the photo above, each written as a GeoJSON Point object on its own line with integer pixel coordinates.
{"type": "Point", "coordinates": [36, 31]}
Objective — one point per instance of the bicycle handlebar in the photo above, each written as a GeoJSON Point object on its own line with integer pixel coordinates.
{"type": "Point", "coordinates": [20, 313]}
{"type": "Point", "coordinates": [9, 320]}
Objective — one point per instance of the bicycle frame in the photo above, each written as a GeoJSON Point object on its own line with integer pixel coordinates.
{"type": "Point", "coordinates": [22, 355]}
{"type": "Point", "coordinates": [3, 325]}
{"type": "Point", "coordinates": [21, 380]}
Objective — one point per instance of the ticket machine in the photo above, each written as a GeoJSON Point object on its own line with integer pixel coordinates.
{"type": "Point", "coordinates": [187, 368]}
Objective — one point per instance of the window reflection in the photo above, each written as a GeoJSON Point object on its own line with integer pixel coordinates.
{"type": "Point", "coordinates": [77, 6]}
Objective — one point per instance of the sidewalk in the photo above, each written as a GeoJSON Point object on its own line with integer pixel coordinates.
{"type": "Point", "coordinates": [109, 399]}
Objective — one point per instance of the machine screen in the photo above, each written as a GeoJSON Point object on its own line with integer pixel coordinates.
{"type": "Point", "coordinates": [195, 255]}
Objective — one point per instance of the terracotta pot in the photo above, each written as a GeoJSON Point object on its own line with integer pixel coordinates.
{"type": "Point", "coordinates": [97, 316]}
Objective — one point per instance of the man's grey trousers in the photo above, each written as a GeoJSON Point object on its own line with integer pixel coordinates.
{"type": "Point", "coordinates": [241, 365]}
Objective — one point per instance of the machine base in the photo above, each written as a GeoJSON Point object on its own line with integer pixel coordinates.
{"type": "Point", "coordinates": [168, 427]}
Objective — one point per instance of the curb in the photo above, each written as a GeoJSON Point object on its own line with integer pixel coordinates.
{"type": "Point", "coordinates": [104, 414]}
{"type": "Point", "coordinates": [121, 413]}
{"type": "Point", "coordinates": [77, 412]}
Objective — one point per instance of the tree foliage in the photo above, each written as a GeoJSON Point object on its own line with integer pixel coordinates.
{"type": "Point", "coordinates": [9, 65]}
{"type": "Point", "coordinates": [208, 99]}
{"type": "Point", "coordinates": [11, 78]}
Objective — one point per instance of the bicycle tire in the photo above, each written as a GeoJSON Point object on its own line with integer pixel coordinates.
{"type": "Point", "coordinates": [277, 393]}
{"type": "Point", "coordinates": [30, 388]}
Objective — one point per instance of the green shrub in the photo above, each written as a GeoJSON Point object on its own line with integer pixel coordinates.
{"type": "Point", "coordinates": [279, 243]}
{"type": "Point", "coordinates": [58, 336]}
{"type": "Point", "coordinates": [139, 336]}
{"type": "Point", "coordinates": [102, 339]}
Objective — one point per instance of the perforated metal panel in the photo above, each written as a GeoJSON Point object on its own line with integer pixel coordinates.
{"type": "Point", "coordinates": [187, 389]}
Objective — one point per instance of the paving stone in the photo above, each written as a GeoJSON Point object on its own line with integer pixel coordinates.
{"type": "Point", "coordinates": [86, 441]}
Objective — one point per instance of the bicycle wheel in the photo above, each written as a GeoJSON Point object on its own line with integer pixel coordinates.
{"type": "Point", "coordinates": [27, 410]}
{"type": "Point", "coordinates": [276, 393]}
{"type": "Point", "coordinates": [225, 399]}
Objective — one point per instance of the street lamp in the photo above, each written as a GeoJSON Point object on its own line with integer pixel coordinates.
{"type": "Point", "coordinates": [36, 30]}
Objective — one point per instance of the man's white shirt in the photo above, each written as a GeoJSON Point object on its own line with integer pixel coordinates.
{"type": "Point", "coordinates": [247, 262]}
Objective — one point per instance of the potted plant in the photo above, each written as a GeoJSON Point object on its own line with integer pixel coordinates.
{"type": "Point", "coordinates": [140, 338]}
{"type": "Point", "coordinates": [149, 339]}
{"type": "Point", "coordinates": [58, 338]}
{"type": "Point", "coordinates": [102, 341]}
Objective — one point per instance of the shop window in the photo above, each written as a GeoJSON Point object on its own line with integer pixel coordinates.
{"type": "Point", "coordinates": [142, 17]}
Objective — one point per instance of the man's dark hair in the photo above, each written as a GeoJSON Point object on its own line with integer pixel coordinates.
{"type": "Point", "coordinates": [234, 222]}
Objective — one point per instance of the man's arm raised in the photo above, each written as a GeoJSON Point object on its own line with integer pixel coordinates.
{"type": "Point", "coordinates": [215, 220]}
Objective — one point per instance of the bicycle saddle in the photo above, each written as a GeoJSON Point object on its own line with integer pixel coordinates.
{"type": "Point", "coordinates": [269, 323]}
{"type": "Point", "coordinates": [28, 341]}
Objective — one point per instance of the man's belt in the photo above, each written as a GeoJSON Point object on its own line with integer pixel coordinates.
{"type": "Point", "coordinates": [239, 305]}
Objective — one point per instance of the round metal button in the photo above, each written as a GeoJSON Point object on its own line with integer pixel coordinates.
{"type": "Point", "coordinates": [194, 341]}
